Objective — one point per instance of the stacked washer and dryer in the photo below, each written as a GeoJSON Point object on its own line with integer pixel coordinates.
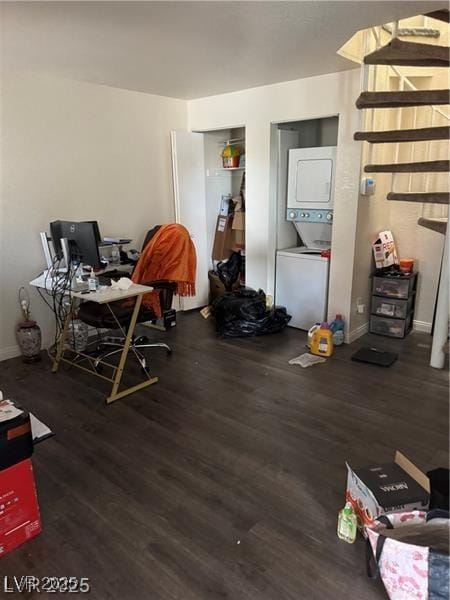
{"type": "Point", "coordinates": [302, 273]}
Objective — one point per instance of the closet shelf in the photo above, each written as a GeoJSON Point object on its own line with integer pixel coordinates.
{"type": "Point", "coordinates": [231, 169]}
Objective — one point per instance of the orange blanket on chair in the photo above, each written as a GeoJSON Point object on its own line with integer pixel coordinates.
{"type": "Point", "coordinates": [170, 255]}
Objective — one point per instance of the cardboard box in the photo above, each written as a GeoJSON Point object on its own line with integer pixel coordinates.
{"type": "Point", "coordinates": [223, 238]}
{"type": "Point", "coordinates": [19, 510]}
{"type": "Point", "coordinates": [398, 486]}
{"type": "Point", "coordinates": [238, 239]}
{"type": "Point", "coordinates": [239, 220]}
{"type": "Point", "coordinates": [384, 251]}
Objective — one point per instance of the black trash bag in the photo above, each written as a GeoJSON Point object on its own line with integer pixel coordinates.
{"type": "Point", "coordinates": [229, 270]}
{"type": "Point", "coordinates": [243, 313]}
{"type": "Point", "coordinates": [239, 304]}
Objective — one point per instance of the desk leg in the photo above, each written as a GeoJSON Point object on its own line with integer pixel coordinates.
{"type": "Point", "coordinates": [62, 341]}
{"type": "Point", "coordinates": [115, 394]}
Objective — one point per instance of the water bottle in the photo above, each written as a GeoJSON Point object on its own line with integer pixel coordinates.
{"type": "Point", "coordinates": [115, 255]}
{"type": "Point", "coordinates": [347, 524]}
{"type": "Point", "coordinates": [93, 282]}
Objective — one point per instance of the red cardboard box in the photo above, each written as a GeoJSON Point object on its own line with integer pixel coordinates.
{"type": "Point", "coordinates": [19, 510]}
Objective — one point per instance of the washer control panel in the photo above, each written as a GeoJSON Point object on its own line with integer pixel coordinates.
{"type": "Point", "coordinates": [305, 215]}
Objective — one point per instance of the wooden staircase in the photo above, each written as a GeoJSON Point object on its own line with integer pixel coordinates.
{"type": "Point", "coordinates": [429, 166]}
{"type": "Point", "coordinates": [423, 197]}
{"type": "Point", "coordinates": [403, 99]}
{"type": "Point", "coordinates": [399, 52]}
{"type": "Point", "coordinates": [438, 225]}
{"type": "Point", "coordinates": [441, 15]}
{"type": "Point", "coordinates": [424, 134]}
{"type": "Point", "coordinates": [412, 54]}
{"type": "Point", "coordinates": [409, 54]}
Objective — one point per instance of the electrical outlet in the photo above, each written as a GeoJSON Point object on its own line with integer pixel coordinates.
{"type": "Point", "coordinates": [360, 306]}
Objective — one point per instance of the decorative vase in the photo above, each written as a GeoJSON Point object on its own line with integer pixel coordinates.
{"type": "Point", "coordinates": [28, 335]}
{"type": "Point", "coordinates": [77, 336]}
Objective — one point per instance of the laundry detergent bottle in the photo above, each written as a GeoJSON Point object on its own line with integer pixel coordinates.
{"type": "Point", "coordinates": [311, 333]}
{"type": "Point", "coordinates": [322, 341]}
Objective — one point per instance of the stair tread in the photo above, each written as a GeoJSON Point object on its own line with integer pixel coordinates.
{"type": "Point", "coordinates": [398, 99]}
{"type": "Point", "coordinates": [441, 15]}
{"type": "Point", "coordinates": [439, 225]}
{"type": "Point", "coordinates": [404, 135]}
{"type": "Point", "coordinates": [399, 52]}
{"type": "Point", "coordinates": [429, 166]}
{"type": "Point", "coordinates": [424, 197]}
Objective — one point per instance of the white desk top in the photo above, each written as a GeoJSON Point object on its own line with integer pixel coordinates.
{"type": "Point", "coordinates": [103, 296]}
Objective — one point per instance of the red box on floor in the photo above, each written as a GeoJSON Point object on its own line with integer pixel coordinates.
{"type": "Point", "coordinates": [19, 510]}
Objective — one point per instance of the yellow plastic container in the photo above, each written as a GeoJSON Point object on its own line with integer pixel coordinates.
{"type": "Point", "coordinates": [322, 341]}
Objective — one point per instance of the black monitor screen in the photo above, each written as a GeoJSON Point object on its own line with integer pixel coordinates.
{"type": "Point", "coordinates": [83, 240]}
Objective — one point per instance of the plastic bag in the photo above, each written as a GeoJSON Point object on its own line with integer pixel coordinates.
{"type": "Point", "coordinates": [229, 270]}
{"type": "Point", "coordinates": [244, 313]}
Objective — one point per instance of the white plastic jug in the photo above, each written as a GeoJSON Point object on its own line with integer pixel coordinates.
{"type": "Point", "coordinates": [311, 332]}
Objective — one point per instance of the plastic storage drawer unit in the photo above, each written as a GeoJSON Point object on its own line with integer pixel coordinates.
{"type": "Point", "coordinates": [397, 328]}
{"type": "Point", "coordinates": [394, 286]}
{"type": "Point", "coordinates": [391, 307]}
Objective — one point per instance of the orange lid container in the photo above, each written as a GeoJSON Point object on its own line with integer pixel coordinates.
{"type": "Point", "coordinates": [406, 265]}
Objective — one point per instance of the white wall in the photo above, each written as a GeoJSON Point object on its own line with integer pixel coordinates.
{"type": "Point", "coordinates": [80, 151]}
{"type": "Point", "coordinates": [257, 109]}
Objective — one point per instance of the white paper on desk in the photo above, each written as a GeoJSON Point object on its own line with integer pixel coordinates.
{"type": "Point", "coordinates": [8, 411]}
{"type": "Point", "coordinates": [123, 284]}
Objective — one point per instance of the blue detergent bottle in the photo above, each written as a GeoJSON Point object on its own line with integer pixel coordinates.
{"type": "Point", "coordinates": [337, 327]}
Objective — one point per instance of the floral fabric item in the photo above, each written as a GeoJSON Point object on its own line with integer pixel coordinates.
{"type": "Point", "coordinates": [407, 570]}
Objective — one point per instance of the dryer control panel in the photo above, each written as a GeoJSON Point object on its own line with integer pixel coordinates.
{"type": "Point", "coordinates": [308, 215]}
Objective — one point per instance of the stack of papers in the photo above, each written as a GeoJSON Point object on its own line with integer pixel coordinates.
{"type": "Point", "coordinates": [8, 411]}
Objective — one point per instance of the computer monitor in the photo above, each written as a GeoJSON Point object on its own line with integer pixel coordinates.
{"type": "Point", "coordinates": [96, 230]}
{"type": "Point", "coordinates": [82, 238]}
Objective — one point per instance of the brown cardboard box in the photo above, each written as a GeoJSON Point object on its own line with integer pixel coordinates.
{"type": "Point", "coordinates": [239, 220]}
{"type": "Point", "coordinates": [239, 229]}
{"type": "Point", "coordinates": [238, 239]}
{"type": "Point", "coordinates": [223, 238]}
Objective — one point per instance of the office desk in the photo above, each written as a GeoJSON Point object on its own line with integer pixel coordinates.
{"type": "Point", "coordinates": [105, 296]}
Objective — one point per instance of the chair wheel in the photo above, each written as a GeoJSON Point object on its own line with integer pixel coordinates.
{"type": "Point", "coordinates": [145, 371]}
{"type": "Point", "coordinates": [98, 369]}
{"type": "Point", "coordinates": [169, 352]}
{"type": "Point", "coordinates": [142, 339]}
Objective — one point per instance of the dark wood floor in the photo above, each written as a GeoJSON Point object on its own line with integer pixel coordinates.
{"type": "Point", "coordinates": [223, 480]}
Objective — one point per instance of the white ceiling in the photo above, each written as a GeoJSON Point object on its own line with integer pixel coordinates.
{"type": "Point", "coordinates": [188, 49]}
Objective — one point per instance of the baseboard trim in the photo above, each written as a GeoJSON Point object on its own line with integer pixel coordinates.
{"type": "Point", "coordinates": [9, 352]}
{"type": "Point", "coordinates": [356, 333]}
{"type": "Point", "coordinates": [422, 326]}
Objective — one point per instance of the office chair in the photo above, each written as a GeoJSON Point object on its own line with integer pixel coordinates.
{"type": "Point", "coordinates": [118, 315]}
